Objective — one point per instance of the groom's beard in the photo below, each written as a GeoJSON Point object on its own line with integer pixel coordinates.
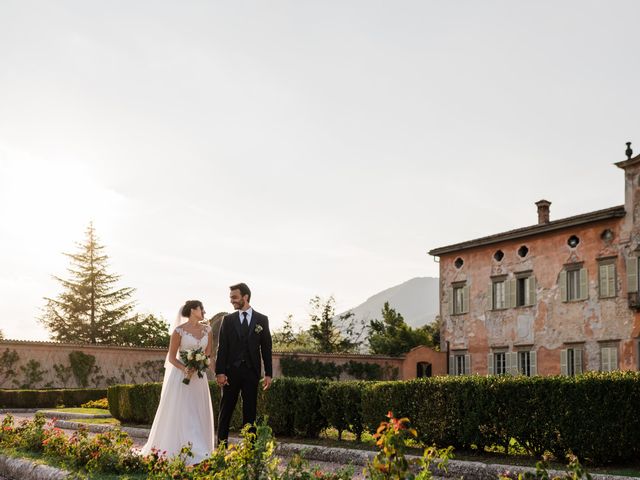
{"type": "Point", "coordinates": [240, 304]}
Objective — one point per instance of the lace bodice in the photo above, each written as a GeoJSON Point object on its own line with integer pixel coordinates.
{"type": "Point", "coordinates": [189, 341]}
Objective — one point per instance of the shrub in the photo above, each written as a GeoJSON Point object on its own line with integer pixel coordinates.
{"type": "Point", "coordinates": [100, 403]}
{"type": "Point", "coordinates": [341, 404]}
{"type": "Point", "coordinates": [49, 398]}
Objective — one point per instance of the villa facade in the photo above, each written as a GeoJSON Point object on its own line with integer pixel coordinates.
{"type": "Point", "coordinates": [558, 297]}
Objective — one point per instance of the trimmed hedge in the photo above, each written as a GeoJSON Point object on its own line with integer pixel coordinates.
{"type": "Point", "coordinates": [49, 398]}
{"type": "Point", "coordinates": [138, 403]}
{"type": "Point", "coordinates": [593, 415]}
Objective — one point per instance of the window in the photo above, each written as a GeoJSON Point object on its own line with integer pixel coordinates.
{"type": "Point", "coordinates": [497, 363]}
{"type": "Point", "coordinates": [527, 363]}
{"type": "Point", "coordinates": [458, 299]}
{"type": "Point", "coordinates": [571, 361]}
{"type": "Point", "coordinates": [573, 284]}
{"type": "Point", "coordinates": [498, 294]}
{"type": "Point", "coordinates": [607, 279]}
{"type": "Point", "coordinates": [525, 290]}
{"type": "Point", "coordinates": [608, 358]}
{"type": "Point", "coordinates": [460, 364]}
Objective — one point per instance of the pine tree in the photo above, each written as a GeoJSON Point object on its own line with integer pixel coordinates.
{"type": "Point", "coordinates": [89, 309]}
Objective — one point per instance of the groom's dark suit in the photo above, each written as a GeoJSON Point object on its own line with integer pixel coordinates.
{"type": "Point", "coordinates": [238, 357]}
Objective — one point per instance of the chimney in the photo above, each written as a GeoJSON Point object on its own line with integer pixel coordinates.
{"type": "Point", "coordinates": [543, 211]}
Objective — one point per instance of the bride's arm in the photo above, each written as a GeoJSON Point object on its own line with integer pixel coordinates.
{"type": "Point", "coordinates": [174, 344]}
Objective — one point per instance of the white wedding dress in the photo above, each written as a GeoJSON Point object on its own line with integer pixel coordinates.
{"type": "Point", "coordinates": [184, 413]}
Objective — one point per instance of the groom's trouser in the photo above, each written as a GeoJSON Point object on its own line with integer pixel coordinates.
{"type": "Point", "coordinates": [242, 380]}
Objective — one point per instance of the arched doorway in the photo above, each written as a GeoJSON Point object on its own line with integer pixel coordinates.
{"type": "Point", "coordinates": [423, 369]}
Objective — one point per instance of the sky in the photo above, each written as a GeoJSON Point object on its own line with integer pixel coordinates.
{"type": "Point", "coordinates": [303, 147]}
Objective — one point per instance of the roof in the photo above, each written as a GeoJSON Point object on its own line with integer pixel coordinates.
{"type": "Point", "coordinates": [585, 218]}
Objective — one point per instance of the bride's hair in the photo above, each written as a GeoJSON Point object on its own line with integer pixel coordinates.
{"type": "Point", "coordinates": [188, 306]}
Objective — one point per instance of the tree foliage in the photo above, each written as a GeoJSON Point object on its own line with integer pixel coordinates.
{"type": "Point", "coordinates": [287, 339]}
{"type": "Point", "coordinates": [333, 334]}
{"type": "Point", "coordinates": [392, 336]}
{"type": "Point", "coordinates": [143, 331]}
{"type": "Point", "coordinates": [90, 309]}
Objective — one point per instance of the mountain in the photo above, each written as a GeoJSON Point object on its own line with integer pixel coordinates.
{"type": "Point", "coordinates": [415, 299]}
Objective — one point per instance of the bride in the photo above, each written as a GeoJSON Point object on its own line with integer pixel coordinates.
{"type": "Point", "coordinates": [184, 413]}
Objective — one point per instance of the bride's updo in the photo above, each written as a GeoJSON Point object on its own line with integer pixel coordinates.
{"type": "Point", "coordinates": [188, 306]}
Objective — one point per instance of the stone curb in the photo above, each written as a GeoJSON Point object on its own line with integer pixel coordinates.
{"type": "Point", "coordinates": [101, 428]}
{"type": "Point", "coordinates": [455, 468]}
{"type": "Point", "coordinates": [69, 415]}
{"type": "Point", "coordinates": [18, 410]}
{"type": "Point", "coordinates": [24, 469]}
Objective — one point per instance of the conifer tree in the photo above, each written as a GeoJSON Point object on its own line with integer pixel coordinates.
{"type": "Point", "coordinates": [90, 309]}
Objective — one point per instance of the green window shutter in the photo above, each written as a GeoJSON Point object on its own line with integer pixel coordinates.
{"type": "Point", "coordinates": [490, 296]}
{"type": "Point", "coordinates": [632, 274]}
{"type": "Point", "coordinates": [532, 290]}
{"type": "Point", "coordinates": [605, 362]}
{"type": "Point", "coordinates": [512, 293]}
{"type": "Point", "coordinates": [612, 279]}
{"type": "Point", "coordinates": [512, 363]}
{"type": "Point", "coordinates": [563, 363]}
{"type": "Point", "coordinates": [603, 283]}
{"type": "Point", "coordinates": [450, 300]}
{"type": "Point", "coordinates": [490, 364]}
{"type": "Point", "coordinates": [533, 359]}
{"type": "Point", "coordinates": [613, 358]}
{"type": "Point", "coordinates": [577, 360]}
{"type": "Point", "coordinates": [584, 284]}
{"type": "Point", "coordinates": [452, 365]}
{"type": "Point", "coordinates": [467, 364]}
{"type": "Point", "coordinates": [563, 285]}
{"type": "Point", "coordinates": [465, 299]}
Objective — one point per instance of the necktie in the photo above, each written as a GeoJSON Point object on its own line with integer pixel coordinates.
{"type": "Point", "coordinates": [245, 324]}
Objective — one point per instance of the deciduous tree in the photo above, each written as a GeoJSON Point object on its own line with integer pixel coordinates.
{"type": "Point", "coordinates": [392, 336]}
{"type": "Point", "coordinates": [330, 333]}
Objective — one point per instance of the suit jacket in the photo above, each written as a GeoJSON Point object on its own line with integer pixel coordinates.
{"type": "Point", "coordinates": [230, 343]}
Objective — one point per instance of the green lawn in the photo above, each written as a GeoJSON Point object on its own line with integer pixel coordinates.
{"type": "Point", "coordinates": [91, 411]}
{"type": "Point", "coordinates": [99, 421]}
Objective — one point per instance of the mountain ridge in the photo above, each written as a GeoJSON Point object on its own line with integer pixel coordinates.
{"type": "Point", "coordinates": [416, 299]}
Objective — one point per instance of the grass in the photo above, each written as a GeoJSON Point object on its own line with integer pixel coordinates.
{"type": "Point", "coordinates": [96, 421]}
{"type": "Point", "coordinates": [91, 411]}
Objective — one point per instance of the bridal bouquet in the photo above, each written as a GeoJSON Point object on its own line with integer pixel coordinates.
{"type": "Point", "coordinates": [196, 360]}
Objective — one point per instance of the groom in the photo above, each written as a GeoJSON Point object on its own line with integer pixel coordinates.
{"type": "Point", "coordinates": [244, 338]}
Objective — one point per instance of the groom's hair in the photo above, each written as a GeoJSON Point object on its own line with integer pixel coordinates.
{"type": "Point", "coordinates": [244, 289]}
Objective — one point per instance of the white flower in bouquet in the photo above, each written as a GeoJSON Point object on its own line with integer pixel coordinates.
{"type": "Point", "coordinates": [195, 361]}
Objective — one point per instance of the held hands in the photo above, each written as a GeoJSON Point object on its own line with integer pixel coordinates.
{"type": "Point", "coordinates": [222, 380]}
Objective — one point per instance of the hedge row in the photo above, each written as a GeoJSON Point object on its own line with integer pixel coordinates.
{"type": "Point", "coordinates": [593, 415]}
{"type": "Point", "coordinates": [49, 398]}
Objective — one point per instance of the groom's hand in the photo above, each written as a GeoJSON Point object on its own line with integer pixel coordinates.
{"type": "Point", "coordinates": [222, 380]}
{"type": "Point", "coordinates": [266, 383]}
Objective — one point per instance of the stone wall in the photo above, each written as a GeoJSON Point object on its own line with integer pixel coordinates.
{"type": "Point", "coordinates": [50, 364]}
